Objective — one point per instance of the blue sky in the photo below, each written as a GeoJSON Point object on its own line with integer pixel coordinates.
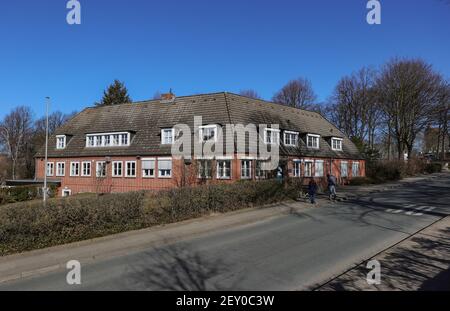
{"type": "Point", "coordinates": [200, 46]}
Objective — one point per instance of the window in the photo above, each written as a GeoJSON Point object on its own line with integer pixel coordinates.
{"type": "Point", "coordinates": [336, 144]}
{"type": "Point", "coordinates": [312, 141]}
{"type": "Point", "coordinates": [50, 168]}
{"type": "Point", "coordinates": [165, 168]}
{"type": "Point", "coordinates": [297, 168]}
{"type": "Point", "coordinates": [290, 138]}
{"type": "Point", "coordinates": [205, 168]}
{"type": "Point", "coordinates": [308, 168]}
{"type": "Point", "coordinates": [101, 169]}
{"type": "Point", "coordinates": [355, 169]}
{"type": "Point", "coordinates": [108, 140]}
{"type": "Point", "coordinates": [246, 169]}
{"type": "Point", "coordinates": [224, 169]}
{"type": "Point", "coordinates": [60, 169]}
{"type": "Point", "coordinates": [259, 171]}
{"type": "Point", "coordinates": [319, 169]}
{"type": "Point", "coordinates": [117, 170]}
{"type": "Point", "coordinates": [271, 136]}
{"type": "Point", "coordinates": [344, 169]}
{"type": "Point", "coordinates": [60, 141]}
{"type": "Point", "coordinates": [131, 169]}
{"type": "Point", "coordinates": [75, 169]}
{"type": "Point", "coordinates": [66, 193]}
{"type": "Point", "coordinates": [167, 136]}
{"type": "Point", "coordinates": [148, 168]}
{"type": "Point", "coordinates": [208, 133]}
{"type": "Point", "coordinates": [86, 169]}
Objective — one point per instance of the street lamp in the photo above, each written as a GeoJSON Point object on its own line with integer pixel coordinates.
{"type": "Point", "coordinates": [45, 190]}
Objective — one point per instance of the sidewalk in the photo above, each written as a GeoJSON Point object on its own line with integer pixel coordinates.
{"type": "Point", "coordinates": [421, 262]}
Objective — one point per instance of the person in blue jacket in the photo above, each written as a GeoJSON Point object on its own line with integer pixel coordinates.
{"type": "Point", "coordinates": [312, 190]}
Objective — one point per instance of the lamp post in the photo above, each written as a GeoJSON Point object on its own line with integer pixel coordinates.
{"type": "Point", "coordinates": [45, 190]}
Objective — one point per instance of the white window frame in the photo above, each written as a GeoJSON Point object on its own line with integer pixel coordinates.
{"type": "Point", "coordinates": [224, 170]}
{"type": "Point", "coordinates": [249, 168]}
{"type": "Point", "coordinates": [154, 167]}
{"type": "Point", "coordinates": [113, 170]}
{"type": "Point", "coordinates": [163, 136]}
{"type": "Point", "coordinates": [313, 136]}
{"type": "Point", "coordinates": [277, 136]}
{"type": "Point", "coordinates": [285, 135]}
{"type": "Point", "coordinates": [346, 169]}
{"type": "Point", "coordinates": [58, 173]}
{"type": "Point", "coordinates": [50, 165]}
{"type": "Point", "coordinates": [83, 166]}
{"type": "Point", "coordinates": [316, 174]}
{"type": "Point", "coordinates": [354, 165]}
{"type": "Point", "coordinates": [99, 140]}
{"type": "Point", "coordinates": [259, 172]}
{"type": "Point", "coordinates": [64, 191]}
{"type": "Point", "coordinates": [64, 142]}
{"type": "Point", "coordinates": [135, 169]}
{"type": "Point", "coordinates": [297, 170]}
{"type": "Point", "coordinates": [202, 128]}
{"type": "Point", "coordinates": [160, 171]}
{"type": "Point", "coordinates": [335, 139]}
{"type": "Point", "coordinates": [200, 168]}
{"type": "Point", "coordinates": [310, 162]}
{"type": "Point", "coordinates": [71, 169]}
{"type": "Point", "coordinates": [97, 169]}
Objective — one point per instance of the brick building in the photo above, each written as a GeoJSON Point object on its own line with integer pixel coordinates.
{"type": "Point", "coordinates": [128, 147]}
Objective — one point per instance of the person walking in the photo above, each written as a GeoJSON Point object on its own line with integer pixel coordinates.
{"type": "Point", "coordinates": [312, 190]}
{"type": "Point", "coordinates": [332, 186]}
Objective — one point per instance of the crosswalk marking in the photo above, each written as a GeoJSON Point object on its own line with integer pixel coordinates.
{"type": "Point", "coordinates": [416, 210]}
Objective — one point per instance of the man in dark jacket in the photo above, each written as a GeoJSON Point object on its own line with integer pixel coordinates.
{"type": "Point", "coordinates": [312, 190]}
{"type": "Point", "coordinates": [332, 186]}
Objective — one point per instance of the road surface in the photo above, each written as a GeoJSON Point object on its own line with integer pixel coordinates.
{"type": "Point", "coordinates": [290, 252]}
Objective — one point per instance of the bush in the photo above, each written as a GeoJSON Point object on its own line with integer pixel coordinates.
{"type": "Point", "coordinates": [29, 225]}
{"type": "Point", "coordinates": [380, 172]}
{"type": "Point", "coordinates": [21, 194]}
{"type": "Point", "coordinates": [433, 168]}
{"type": "Point", "coordinates": [361, 181]}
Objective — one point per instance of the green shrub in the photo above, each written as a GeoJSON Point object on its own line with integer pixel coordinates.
{"type": "Point", "coordinates": [22, 194]}
{"type": "Point", "coordinates": [29, 225]}
{"type": "Point", "coordinates": [434, 167]}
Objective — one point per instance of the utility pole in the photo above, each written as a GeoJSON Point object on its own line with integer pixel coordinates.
{"type": "Point", "coordinates": [45, 190]}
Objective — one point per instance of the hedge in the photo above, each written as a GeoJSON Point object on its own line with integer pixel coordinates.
{"type": "Point", "coordinates": [29, 225]}
{"type": "Point", "coordinates": [21, 194]}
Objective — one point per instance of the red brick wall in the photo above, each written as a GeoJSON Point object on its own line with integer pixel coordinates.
{"type": "Point", "coordinates": [80, 184]}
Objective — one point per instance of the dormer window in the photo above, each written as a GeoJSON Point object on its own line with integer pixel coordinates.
{"type": "Point", "coordinates": [167, 136]}
{"type": "Point", "coordinates": [312, 141]}
{"type": "Point", "coordinates": [336, 144]}
{"type": "Point", "coordinates": [290, 138]}
{"type": "Point", "coordinates": [271, 136]}
{"type": "Point", "coordinates": [61, 141]}
{"type": "Point", "coordinates": [121, 139]}
{"type": "Point", "coordinates": [208, 133]}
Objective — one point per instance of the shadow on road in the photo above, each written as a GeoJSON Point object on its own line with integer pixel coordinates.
{"type": "Point", "coordinates": [422, 263]}
{"type": "Point", "coordinates": [178, 268]}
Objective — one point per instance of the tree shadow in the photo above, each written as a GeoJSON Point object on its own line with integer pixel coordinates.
{"type": "Point", "coordinates": [179, 268]}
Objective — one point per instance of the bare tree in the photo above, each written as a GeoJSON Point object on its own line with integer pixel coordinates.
{"type": "Point", "coordinates": [250, 93]}
{"type": "Point", "coordinates": [15, 131]}
{"type": "Point", "coordinates": [408, 91]}
{"type": "Point", "coordinates": [296, 93]}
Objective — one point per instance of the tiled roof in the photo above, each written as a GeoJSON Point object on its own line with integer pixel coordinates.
{"type": "Point", "coordinates": [146, 119]}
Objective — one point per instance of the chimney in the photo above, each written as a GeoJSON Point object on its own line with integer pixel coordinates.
{"type": "Point", "coordinates": [168, 97]}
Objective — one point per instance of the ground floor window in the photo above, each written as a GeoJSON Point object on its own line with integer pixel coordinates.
{"type": "Point", "coordinates": [205, 168]}
{"type": "Point", "coordinates": [60, 169]}
{"type": "Point", "coordinates": [224, 169]}
{"type": "Point", "coordinates": [260, 172]}
{"type": "Point", "coordinates": [165, 168]}
{"type": "Point", "coordinates": [50, 168]}
{"type": "Point", "coordinates": [148, 168]}
{"type": "Point", "coordinates": [344, 169]}
{"type": "Point", "coordinates": [297, 168]}
{"type": "Point", "coordinates": [101, 169]}
{"type": "Point", "coordinates": [117, 170]}
{"type": "Point", "coordinates": [75, 169]}
{"type": "Point", "coordinates": [319, 168]}
{"type": "Point", "coordinates": [246, 169]}
{"type": "Point", "coordinates": [355, 169]}
{"type": "Point", "coordinates": [131, 169]}
{"type": "Point", "coordinates": [308, 168]}
{"type": "Point", "coordinates": [86, 169]}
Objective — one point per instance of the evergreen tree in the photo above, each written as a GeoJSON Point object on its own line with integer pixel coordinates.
{"type": "Point", "coordinates": [115, 94]}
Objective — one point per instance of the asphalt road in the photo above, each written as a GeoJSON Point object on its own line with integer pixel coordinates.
{"type": "Point", "coordinates": [290, 252]}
